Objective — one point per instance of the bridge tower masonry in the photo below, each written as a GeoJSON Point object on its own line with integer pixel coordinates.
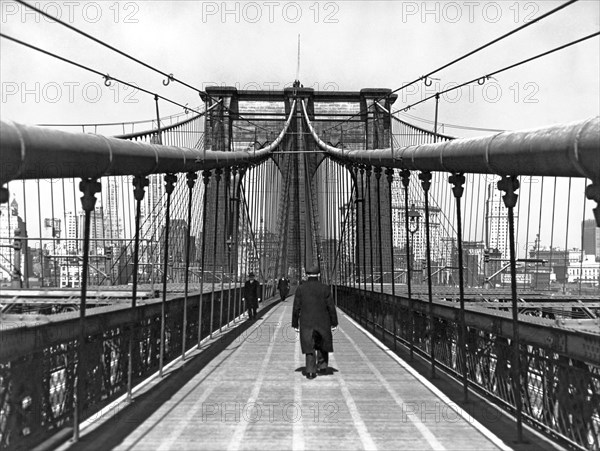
{"type": "Point", "coordinates": [300, 245]}
{"type": "Point", "coordinates": [377, 136]}
{"type": "Point", "coordinates": [298, 162]}
{"type": "Point", "coordinates": [219, 136]}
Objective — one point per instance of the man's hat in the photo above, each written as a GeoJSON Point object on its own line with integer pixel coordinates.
{"type": "Point", "coordinates": [313, 270]}
{"type": "Point", "coordinates": [251, 274]}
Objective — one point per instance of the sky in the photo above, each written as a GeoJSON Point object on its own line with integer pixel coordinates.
{"type": "Point", "coordinates": [345, 45]}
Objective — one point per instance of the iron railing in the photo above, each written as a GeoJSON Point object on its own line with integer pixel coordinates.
{"type": "Point", "coordinates": [40, 359]}
{"type": "Point", "coordinates": [560, 368]}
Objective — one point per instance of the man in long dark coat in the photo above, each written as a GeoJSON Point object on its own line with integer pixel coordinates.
{"type": "Point", "coordinates": [284, 287]}
{"type": "Point", "coordinates": [314, 316]}
{"type": "Point", "coordinates": [251, 295]}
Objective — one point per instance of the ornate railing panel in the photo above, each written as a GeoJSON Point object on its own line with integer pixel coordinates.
{"type": "Point", "coordinates": [38, 361]}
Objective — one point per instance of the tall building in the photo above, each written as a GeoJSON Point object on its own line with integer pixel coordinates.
{"type": "Point", "coordinates": [473, 263]}
{"type": "Point", "coordinates": [587, 270]}
{"type": "Point", "coordinates": [12, 227]}
{"type": "Point", "coordinates": [177, 240]}
{"type": "Point", "coordinates": [113, 223]}
{"type": "Point", "coordinates": [496, 219]}
{"type": "Point", "coordinates": [152, 214]}
{"type": "Point", "coordinates": [591, 238]}
{"type": "Point", "coordinates": [97, 232]}
{"type": "Point", "coordinates": [9, 222]}
{"type": "Point", "coordinates": [51, 233]}
{"type": "Point", "coordinates": [71, 226]}
{"type": "Point", "coordinates": [418, 239]}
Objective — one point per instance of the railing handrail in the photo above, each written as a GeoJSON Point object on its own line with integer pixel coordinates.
{"type": "Point", "coordinates": [29, 152]}
{"type": "Point", "coordinates": [415, 127]}
{"type": "Point", "coordinates": [566, 150]}
{"type": "Point", "coordinates": [167, 128]}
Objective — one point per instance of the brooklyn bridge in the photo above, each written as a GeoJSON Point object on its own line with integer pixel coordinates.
{"type": "Point", "coordinates": [466, 321]}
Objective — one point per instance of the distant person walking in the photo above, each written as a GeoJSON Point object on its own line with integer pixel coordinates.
{"type": "Point", "coordinates": [314, 317]}
{"type": "Point", "coordinates": [284, 287]}
{"type": "Point", "coordinates": [251, 295]}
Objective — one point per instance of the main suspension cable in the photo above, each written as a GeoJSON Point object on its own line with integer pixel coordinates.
{"type": "Point", "coordinates": [107, 77]}
{"type": "Point", "coordinates": [466, 55]}
{"type": "Point", "coordinates": [169, 76]}
{"type": "Point", "coordinates": [484, 78]}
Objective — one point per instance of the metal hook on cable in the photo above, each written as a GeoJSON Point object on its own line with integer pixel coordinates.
{"type": "Point", "coordinates": [185, 109]}
{"type": "Point", "coordinates": [169, 79]}
{"type": "Point", "coordinates": [427, 81]}
{"type": "Point", "coordinates": [482, 80]}
{"type": "Point", "coordinates": [107, 80]}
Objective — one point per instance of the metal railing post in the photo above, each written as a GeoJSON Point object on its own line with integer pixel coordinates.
{"type": "Point", "coordinates": [139, 185]}
{"type": "Point", "coordinates": [389, 172]}
{"type": "Point", "coordinates": [368, 190]}
{"type": "Point", "coordinates": [170, 180]}
{"type": "Point", "coordinates": [218, 173]}
{"type": "Point", "coordinates": [405, 174]}
{"type": "Point", "coordinates": [510, 184]}
{"type": "Point", "coordinates": [425, 178]}
{"type": "Point", "coordinates": [191, 181]}
{"type": "Point", "coordinates": [205, 179]}
{"type": "Point", "coordinates": [380, 243]}
{"type": "Point", "coordinates": [364, 225]}
{"type": "Point", "coordinates": [457, 181]}
{"type": "Point", "coordinates": [227, 236]}
{"type": "Point", "coordinates": [592, 192]}
{"type": "Point", "coordinates": [89, 188]}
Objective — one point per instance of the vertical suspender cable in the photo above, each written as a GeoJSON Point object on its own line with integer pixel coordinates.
{"type": "Point", "coordinates": [205, 179]}
{"type": "Point", "coordinates": [191, 181]}
{"type": "Point", "coordinates": [218, 173]}
{"type": "Point", "coordinates": [425, 178]}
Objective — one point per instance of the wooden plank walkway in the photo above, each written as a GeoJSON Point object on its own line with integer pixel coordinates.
{"type": "Point", "coordinates": [251, 394]}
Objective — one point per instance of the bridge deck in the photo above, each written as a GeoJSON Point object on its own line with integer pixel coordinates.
{"type": "Point", "coordinates": [246, 391]}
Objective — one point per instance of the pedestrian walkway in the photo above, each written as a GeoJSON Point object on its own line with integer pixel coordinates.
{"type": "Point", "coordinates": [252, 395]}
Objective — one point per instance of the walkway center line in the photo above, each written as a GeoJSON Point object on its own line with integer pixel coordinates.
{"type": "Point", "coordinates": [436, 391]}
{"type": "Point", "coordinates": [424, 430]}
{"type": "Point", "coordinates": [238, 435]}
{"type": "Point", "coordinates": [168, 441]}
{"type": "Point", "coordinates": [359, 424]}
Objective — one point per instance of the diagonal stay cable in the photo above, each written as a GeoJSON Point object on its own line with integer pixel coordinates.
{"type": "Point", "coordinates": [446, 124]}
{"type": "Point", "coordinates": [484, 46]}
{"type": "Point", "coordinates": [483, 78]}
{"type": "Point", "coordinates": [107, 77]}
{"type": "Point", "coordinates": [170, 76]}
{"type": "Point", "coordinates": [472, 52]}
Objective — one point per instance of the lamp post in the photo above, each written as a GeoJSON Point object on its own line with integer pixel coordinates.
{"type": "Point", "coordinates": [229, 243]}
{"type": "Point", "coordinates": [413, 226]}
{"type": "Point", "coordinates": [261, 251]}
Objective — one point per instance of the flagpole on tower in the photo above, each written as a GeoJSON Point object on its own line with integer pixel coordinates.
{"type": "Point", "coordinates": [298, 64]}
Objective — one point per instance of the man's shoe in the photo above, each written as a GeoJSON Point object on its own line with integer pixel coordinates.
{"type": "Point", "coordinates": [311, 375]}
